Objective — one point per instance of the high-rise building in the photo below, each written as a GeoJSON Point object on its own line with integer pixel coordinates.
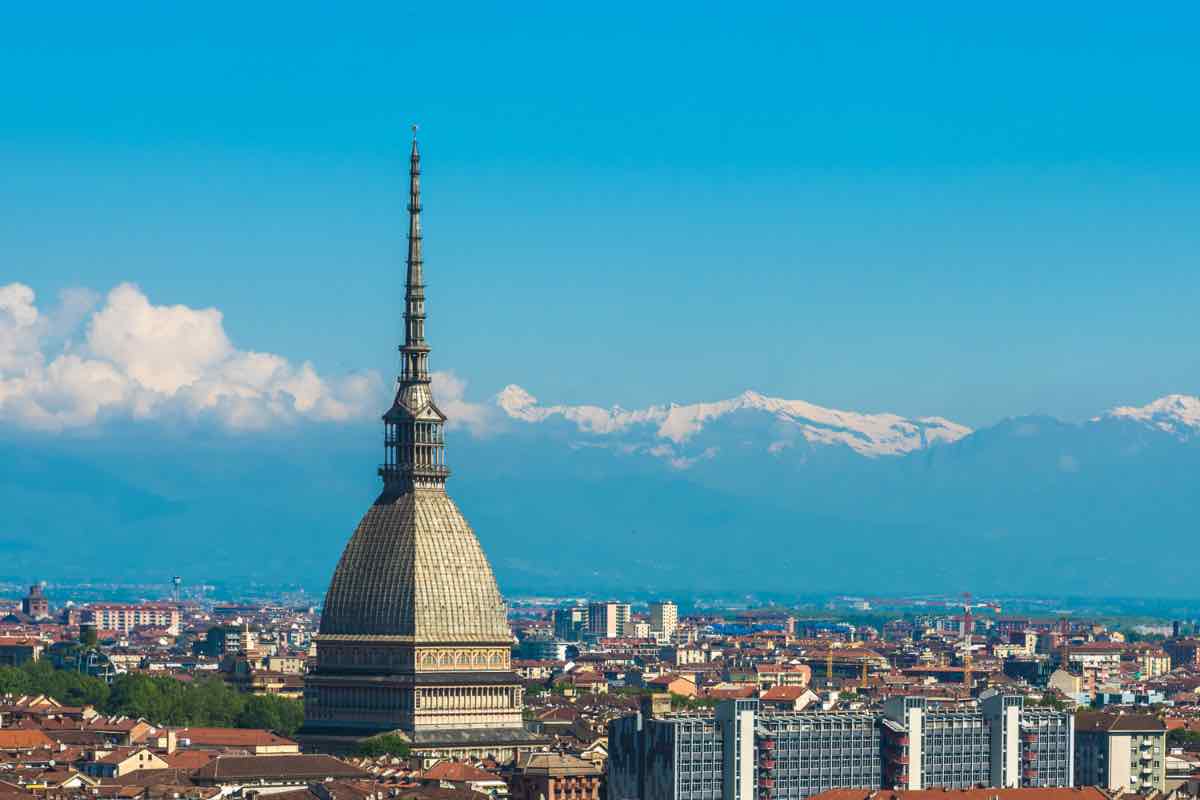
{"type": "Point", "coordinates": [1121, 753]}
{"type": "Point", "coordinates": [608, 620]}
{"type": "Point", "coordinates": [570, 623]}
{"type": "Point", "coordinates": [743, 752]}
{"type": "Point", "coordinates": [414, 635]}
{"type": "Point", "coordinates": [664, 618]}
{"type": "Point", "coordinates": [998, 743]}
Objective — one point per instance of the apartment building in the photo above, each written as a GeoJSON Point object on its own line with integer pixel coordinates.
{"type": "Point", "coordinates": [999, 742]}
{"type": "Point", "coordinates": [1123, 753]}
{"type": "Point", "coordinates": [123, 617]}
{"type": "Point", "coordinates": [1098, 661]}
{"type": "Point", "coordinates": [570, 623]}
{"type": "Point", "coordinates": [745, 752]}
{"type": "Point", "coordinates": [608, 620]}
{"type": "Point", "coordinates": [664, 619]}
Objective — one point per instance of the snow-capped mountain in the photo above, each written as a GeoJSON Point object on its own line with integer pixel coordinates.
{"type": "Point", "coordinates": [668, 428]}
{"type": "Point", "coordinates": [778, 495]}
{"type": "Point", "coordinates": [1176, 414]}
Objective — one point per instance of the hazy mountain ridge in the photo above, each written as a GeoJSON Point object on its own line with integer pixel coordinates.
{"type": "Point", "coordinates": [675, 425]}
{"type": "Point", "coordinates": [1027, 504]}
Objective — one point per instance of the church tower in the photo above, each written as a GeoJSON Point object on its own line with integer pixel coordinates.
{"type": "Point", "coordinates": [414, 637]}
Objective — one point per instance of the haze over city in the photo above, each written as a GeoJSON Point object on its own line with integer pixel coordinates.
{"type": "Point", "coordinates": [918, 286]}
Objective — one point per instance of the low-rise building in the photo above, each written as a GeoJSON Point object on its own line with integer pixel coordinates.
{"type": "Point", "coordinates": [124, 617]}
{"type": "Point", "coordinates": [552, 776]}
{"type": "Point", "coordinates": [456, 775]}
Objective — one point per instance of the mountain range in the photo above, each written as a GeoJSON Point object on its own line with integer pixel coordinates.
{"type": "Point", "coordinates": [749, 494]}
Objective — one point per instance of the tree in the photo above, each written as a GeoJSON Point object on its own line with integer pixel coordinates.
{"type": "Point", "coordinates": [162, 699]}
{"type": "Point", "coordinates": [383, 744]}
{"type": "Point", "coordinates": [15, 680]}
{"type": "Point", "coordinates": [274, 713]}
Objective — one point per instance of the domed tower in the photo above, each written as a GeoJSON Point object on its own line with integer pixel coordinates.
{"type": "Point", "coordinates": [414, 637]}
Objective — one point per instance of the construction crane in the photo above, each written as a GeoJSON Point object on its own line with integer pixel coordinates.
{"type": "Point", "coordinates": [967, 634]}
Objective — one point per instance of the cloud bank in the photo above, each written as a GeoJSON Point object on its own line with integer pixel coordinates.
{"type": "Point", "coordinates": [140, 361]}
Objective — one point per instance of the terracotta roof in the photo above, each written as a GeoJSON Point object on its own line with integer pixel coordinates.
{"type": "Point", "coordinates": [558, 714]}
{"type": "Point", "coordinates": [586, 676]}
{"type": "Point", "coordinates": [290, 766]}
{"type": "Point", "coordinates": [231, 737]}
{"type": "Point", "coordinates": [188, 759]}
{"type": "Point", "coordinates": [23, 739]}
{"type": "Point", "coordinates": [456, 772]}
{"type": "Point", "coordinates": [666, 680]}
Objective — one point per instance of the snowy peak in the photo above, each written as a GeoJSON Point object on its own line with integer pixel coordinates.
{"type": "Point", "coordinates": [1176, 414]}
{"type": "Point", "coordinates": [667, 429]}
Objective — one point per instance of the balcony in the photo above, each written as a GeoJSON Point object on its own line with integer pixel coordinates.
{"type": "Point", "coordinates": [766, 783]}
{"type": "Point", "coordinates": [767, 744]}
{"type": "Point", "coordinates": [1030, 774]}
{"type": "Point", "coordinates": [767, 763]}
{"type": "Point", "coordinates": [1029, 737]}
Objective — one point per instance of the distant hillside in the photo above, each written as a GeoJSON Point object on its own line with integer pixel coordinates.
{"type": "Point", "coordinates": [750, 494]}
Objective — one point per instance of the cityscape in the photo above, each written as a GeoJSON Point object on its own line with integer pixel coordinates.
{"type": "Point", "coordinates": [750, 598]}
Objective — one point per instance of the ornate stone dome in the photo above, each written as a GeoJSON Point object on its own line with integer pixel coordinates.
{"type": "Point", "coordinates": [414, 569]}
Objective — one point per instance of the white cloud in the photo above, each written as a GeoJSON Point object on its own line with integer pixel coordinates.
{"type": "Point", "coordinates": [163, 348]}
{"type": "Point", "coordinates": [448, 392]}
{"type": "Point", "coordinates": [141, 361]}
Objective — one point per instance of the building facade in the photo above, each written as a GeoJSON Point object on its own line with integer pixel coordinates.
{"type": "Point", "coordinates": [745, 752]}
{"type": "Point", "coordinates": [570, 623]}
{"type": "Point", "coordinates": [552, 776]}
{"type": "Point", "coordinates": [414, 635]}
{"type": "Point", "coordinates": [996, 743]}
{"type": "Point", "coordinates": [123, 618]}
{"type": "Point", "coordinates": [1124, 753]}
{"type": "Point", "coordinates": [664, 618]}
{"type": "Point", "coordinates": [608, 620]}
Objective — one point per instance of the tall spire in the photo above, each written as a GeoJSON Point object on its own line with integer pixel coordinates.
{"type": "Point", "coordinates": [415, 359]}
{"type": "Point", "coordinates": [414, 450]}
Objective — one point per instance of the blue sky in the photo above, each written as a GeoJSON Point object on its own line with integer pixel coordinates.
{"type": "Point", "coordinates": [949, 212]}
